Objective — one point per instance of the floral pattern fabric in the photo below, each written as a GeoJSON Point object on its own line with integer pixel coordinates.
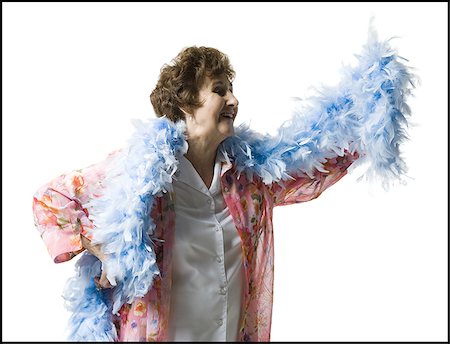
{"type": "Point", "coordinates": [61, 213]}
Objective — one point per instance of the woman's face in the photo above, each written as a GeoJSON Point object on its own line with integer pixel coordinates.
{"type": "Point", "coordinates": [214, 119]}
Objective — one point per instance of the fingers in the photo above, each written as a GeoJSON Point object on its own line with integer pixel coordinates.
{"type": "Point", "coordinates": [102, 282]}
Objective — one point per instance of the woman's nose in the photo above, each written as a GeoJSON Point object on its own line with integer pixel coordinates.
{"type": "Point", "coordinates": [232, 100]}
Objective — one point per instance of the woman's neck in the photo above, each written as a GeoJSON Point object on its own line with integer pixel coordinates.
{"type": "Point", "coordinates": [203, 156]}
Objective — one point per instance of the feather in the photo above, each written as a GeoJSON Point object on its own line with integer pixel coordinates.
{"type": "Point", "coordinates": [366, 113]}
{"type": "Point", "coordinates": [90, 320]}
{"type": "Point", "coordinates": [124, 227]}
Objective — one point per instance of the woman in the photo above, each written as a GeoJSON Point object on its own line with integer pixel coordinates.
{"type": "Point", "coordinates": [177, 226]}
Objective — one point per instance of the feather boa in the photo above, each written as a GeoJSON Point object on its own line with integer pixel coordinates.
{"type": "Point", "coordinates": [366, 113]}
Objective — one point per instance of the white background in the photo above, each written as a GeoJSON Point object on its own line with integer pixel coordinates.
{"type": "Point", "coordinates": [356, 264]}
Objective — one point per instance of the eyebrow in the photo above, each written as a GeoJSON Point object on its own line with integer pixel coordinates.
{"type": "Point", "coordinates": [220, 82]}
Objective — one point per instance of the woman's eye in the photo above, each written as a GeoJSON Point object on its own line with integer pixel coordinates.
{"type": "Point", "coordinates": [220, 91]}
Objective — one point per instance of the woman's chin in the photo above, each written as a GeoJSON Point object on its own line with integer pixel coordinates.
{"type": "Point", "coordinates": [227, 129]}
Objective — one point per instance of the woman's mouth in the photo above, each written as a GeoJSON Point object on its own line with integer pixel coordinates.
{"type": "Point", "coordinates": [228, 115]}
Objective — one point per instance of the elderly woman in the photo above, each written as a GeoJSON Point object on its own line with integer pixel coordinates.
{"type": "Point", "coordinates": [176, 228]}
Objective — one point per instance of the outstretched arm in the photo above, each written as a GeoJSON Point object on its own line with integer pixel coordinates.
{"type": "Point", "coordinates": [365, 114]}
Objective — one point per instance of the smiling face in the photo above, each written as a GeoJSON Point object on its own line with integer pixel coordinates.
{"type": "Point", "coordinates": [212, 122]}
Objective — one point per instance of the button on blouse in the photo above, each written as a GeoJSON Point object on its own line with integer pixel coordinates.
{"type": "Point", "coordinates": [207, 273]}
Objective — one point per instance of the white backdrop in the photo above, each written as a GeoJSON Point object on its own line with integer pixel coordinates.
{"type": "Point", "coordinates": [356, 264]}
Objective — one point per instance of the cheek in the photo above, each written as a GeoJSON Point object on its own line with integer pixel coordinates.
{"type": "Point", "coordinates": [208, 114]}
{"type": "Point", "coordinates": [205, 115]}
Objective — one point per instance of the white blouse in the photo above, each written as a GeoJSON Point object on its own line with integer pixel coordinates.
{"type": "Point", "coordinates": [207, 280]}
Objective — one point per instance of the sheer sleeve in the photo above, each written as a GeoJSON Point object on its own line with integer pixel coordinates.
{"type": "Point", "coordinates": [303, 188]}
{"type": "Point", "coordinates": [61, 209]}
{"type": "Point", "coordinates": [366, 112]}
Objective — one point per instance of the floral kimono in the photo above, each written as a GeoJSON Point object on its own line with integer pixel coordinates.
{"type": "Point", "coordinates": [126, 204]}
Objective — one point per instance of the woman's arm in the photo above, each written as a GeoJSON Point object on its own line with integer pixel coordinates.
{"type": "Point", "coordinates": [365, 114]}
{"type": "Point", "coordinates": [61, 210]}
{"type": "Point", "coordinates": [303, 188]}
{"type": "Point", "coordinates": [102, 281]}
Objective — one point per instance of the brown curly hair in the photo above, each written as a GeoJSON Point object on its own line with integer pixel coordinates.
{"type": "Point", "coordinates": [180, 81]}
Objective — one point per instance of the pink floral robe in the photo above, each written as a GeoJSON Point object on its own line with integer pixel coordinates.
{"type": "Point", "coordinates": [61, 214]}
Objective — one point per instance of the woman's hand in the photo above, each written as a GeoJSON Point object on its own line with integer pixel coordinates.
{"type": "Point", "coordinates": [102, 281]}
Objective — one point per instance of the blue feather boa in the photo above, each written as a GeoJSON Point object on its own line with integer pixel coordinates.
{"type": "Point", "coordinates": [366, 113]}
